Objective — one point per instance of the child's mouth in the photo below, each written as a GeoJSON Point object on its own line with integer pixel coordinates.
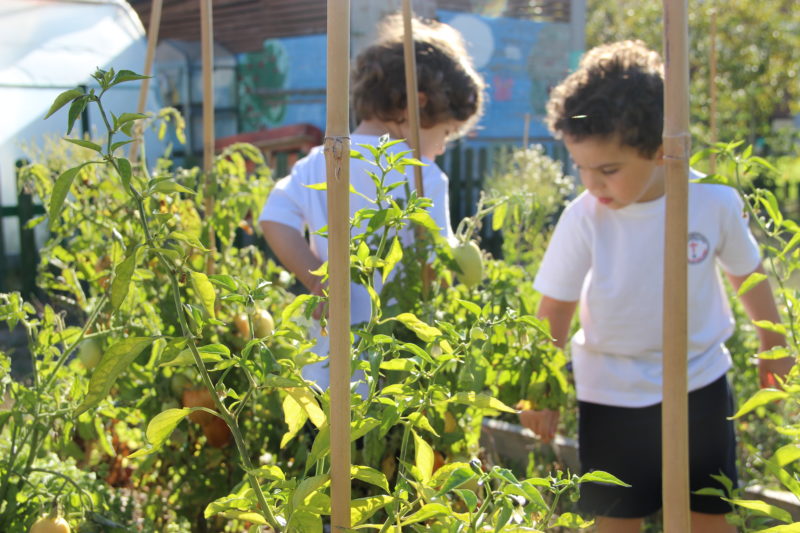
{"type": "Point", "coordinates": [605, 200]}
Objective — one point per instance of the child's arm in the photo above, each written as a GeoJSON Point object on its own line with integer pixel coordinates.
{"type": "Point", "coordinates": [294, 253]}
{"type": "Point", "coordinates": [559, 313]}
{"type": "Point", "coordinates": [760, 305]}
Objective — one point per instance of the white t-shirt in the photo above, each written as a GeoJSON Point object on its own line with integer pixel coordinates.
{"type": "Point", "coordinates": [612, 261]}
{"type": "Point", "coordinates": [294, 204]}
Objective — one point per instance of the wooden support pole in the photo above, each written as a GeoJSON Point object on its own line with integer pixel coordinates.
{"type": "Point", "coordinates": [152, 41]}
{"type": "Point", "coordinates": [712, 86]}
{"type": "Point", "coordinates": [412, 92]}
{"type": "Point", "coordinates": [207, 51]}
{"type": "Point", "coordinates": [675, 428]}
{"type": "Point", "coordinates": [337, 159]}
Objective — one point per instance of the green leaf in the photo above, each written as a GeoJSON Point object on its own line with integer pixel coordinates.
{"type": "Point", "coordinates": [423, 457]}
{"type": "Point", "coordinates": [60, 192]}
{"type": "Point", "coordinates": [63, 99]}
{"type": "Point", "coordinates": [469, 497]}
{"type": "Point", "coordinates": [75, 109]}
{"type": "Point", "coordinates": [169, 187]}
{"type": "Point", "coordinates": [762, 397]}
{"type": "Point", "coordinates": [210, 353]}
{"type": "Point", "coordinates": [425, 220]}
{"type": "Point", "coordinates": [369, 475]}
{"type": "Point", "coordinates": [224, 281]}
{"type": "Point", "coordinates": [788, 528]}
{"type": "Point", "coordinates": [571, 521]}
{"type": "Point", "coordinates": [323, 186]}
{"type": "Point", "coordinates": [762, 508]}
{"type": "Point", "coordinates": [394, 256]}
{"type": "Point", "coordinates": [120, 144]}
{"type": "Point", "coordinates": [305, 521]}
{"type": "Point", "coordinates": [499, 216]}
{"type": "Point", "coordinates": [786, 454]}
{"type": "Point", "coordinates": [128, 117]}
{"type": "Point", "coordinates": [714, 179]}
{"type": "Point", "coordinates": [425, 332]}
{"type": "Point", "coordinates": [458, 477]}
{"type": "Point", "coordinates": [427, 511]}
{"type": "Point", "coordinates": [121, 283]}
{"type": "Point", "coordinates": [482, 401]}
{"type": "Point", "coordinates": [125, 171]}
{"type": "Point", "coordinates": [401, 364]}
{"type": "Point", "coordinates": [85, 144]}
{"type": "Point", "coordinates": [770, 326]}
{"type": "Point", "coordinates": [159, 429]}
{"type": "Point", "coordinates": [306, 399]}
{"type": "Point", "coordinates": [421, 421]}
{"type": "Point", "coordinates": [307, 487]}
{"type": "Point", "coordinates": [598, 476]}
{"type": "Point", "coordinates": [471, 307]}
{"type": "Point", "coordinates": [362, 508]}
{"type": "Point", "coordinates": [245, 516]}
{"type": "Point", "coordinates": [127, 75]}
{"type": "Point", "coordinates": [770, 203]}
{"type": "Point", "coordinates": [188, 239]}
{"type": "Point", "coordinates": [115, 361]}
{"type": "Point", "coordinates": [205, 290]}
{"type": "Point", "coordinates": [752, 280]}
{"type": "Point", "coordinates": [295, 417]}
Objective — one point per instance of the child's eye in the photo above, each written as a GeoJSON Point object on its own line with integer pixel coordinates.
{"type": "Point", "coordinates": [608, 171]}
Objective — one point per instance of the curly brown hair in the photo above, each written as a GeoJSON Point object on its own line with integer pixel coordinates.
{"type": "Point", "coordinates": [618, 90]}
{"type": "Point", "coordinates": [452, 87]}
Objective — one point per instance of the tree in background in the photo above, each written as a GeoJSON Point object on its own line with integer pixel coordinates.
{"type": "Point", "coordinates": [758, 58]}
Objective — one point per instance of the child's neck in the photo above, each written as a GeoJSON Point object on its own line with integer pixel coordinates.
{"type": "Point", "coordinates": [378, 128]}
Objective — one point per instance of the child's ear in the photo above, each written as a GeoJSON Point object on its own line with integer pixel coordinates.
{"type": "Point", "coordinates": [659, 155]}
{"type": "Point", "coordinates": [423, 100]}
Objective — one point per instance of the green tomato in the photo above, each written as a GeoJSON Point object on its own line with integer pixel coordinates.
{"type": "Point", "coordinates": [470, 261]}
{"type": "Point", "coordinates": [90, 352]}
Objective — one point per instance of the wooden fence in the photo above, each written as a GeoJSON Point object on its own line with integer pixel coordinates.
{"type": "Point", "coordinates": [21, 265]}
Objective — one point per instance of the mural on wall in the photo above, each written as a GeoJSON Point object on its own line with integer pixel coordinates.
{"type": "Point", "coordinates": [262, 82]}
{"type": "Point", "coordinates": [283, 83]}
{"type": "Point", "coordinates": [521, 60]}
{"type": "Point", "coordinates": [548, 65]}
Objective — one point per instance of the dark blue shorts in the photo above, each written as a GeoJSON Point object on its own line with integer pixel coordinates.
{"type": "Point", "coordinates": [626, 442]}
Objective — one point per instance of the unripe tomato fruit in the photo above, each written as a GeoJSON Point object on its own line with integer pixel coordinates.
{"type": "Point", "coordinates": [48, 524]}
{"type": "Point", "coordinates": [470, 261]}
{"type": "Point", "coordinates": [90, 352]}
{"type": "Point", "coordinates": [242, 325]}
{"type": "Point", "coordinates": [263, 324]}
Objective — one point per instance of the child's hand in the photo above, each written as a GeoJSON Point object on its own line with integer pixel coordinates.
{"type": "Point", "coordinates": [543, 423]}
{"type": "Point", "coordinates": [769, 368]}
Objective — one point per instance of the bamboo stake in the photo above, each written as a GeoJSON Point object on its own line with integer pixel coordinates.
{"type": "Point", "coordinates": [337, 158]}
{"type": "Point", "coordinates": [712, 84]}
{"type": "Point", "coordinates": [152, 40]}
{"type": "Point", "coordinates": [412, 93]}
{"type": "Point", "coordinates": [207, 48]}
{"type": "Point", "coordinates": [675, 431]}
{"type": "Point", "coordinates": [526, 131]}
{"type": "Point", "coordinates": [412, 109]}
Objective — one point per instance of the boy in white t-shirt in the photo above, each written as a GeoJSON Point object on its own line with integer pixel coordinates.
{"type": "Point", "coordinates": [451, 102]}
{"type": "Point", "coordinates": [607, 253]}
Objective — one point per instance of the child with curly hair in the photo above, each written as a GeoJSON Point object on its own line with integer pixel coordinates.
{"type": "Point", "coordinates": [607, 254]}
{"type": "Point", "coordinates": [450, 103]}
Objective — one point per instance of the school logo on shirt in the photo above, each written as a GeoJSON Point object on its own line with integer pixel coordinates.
{"type": "Point", "coordinates": [698, 248]}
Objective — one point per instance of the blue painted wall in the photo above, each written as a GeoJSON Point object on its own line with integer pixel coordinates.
{"type": "Point", "coordinates": [520, 60]}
